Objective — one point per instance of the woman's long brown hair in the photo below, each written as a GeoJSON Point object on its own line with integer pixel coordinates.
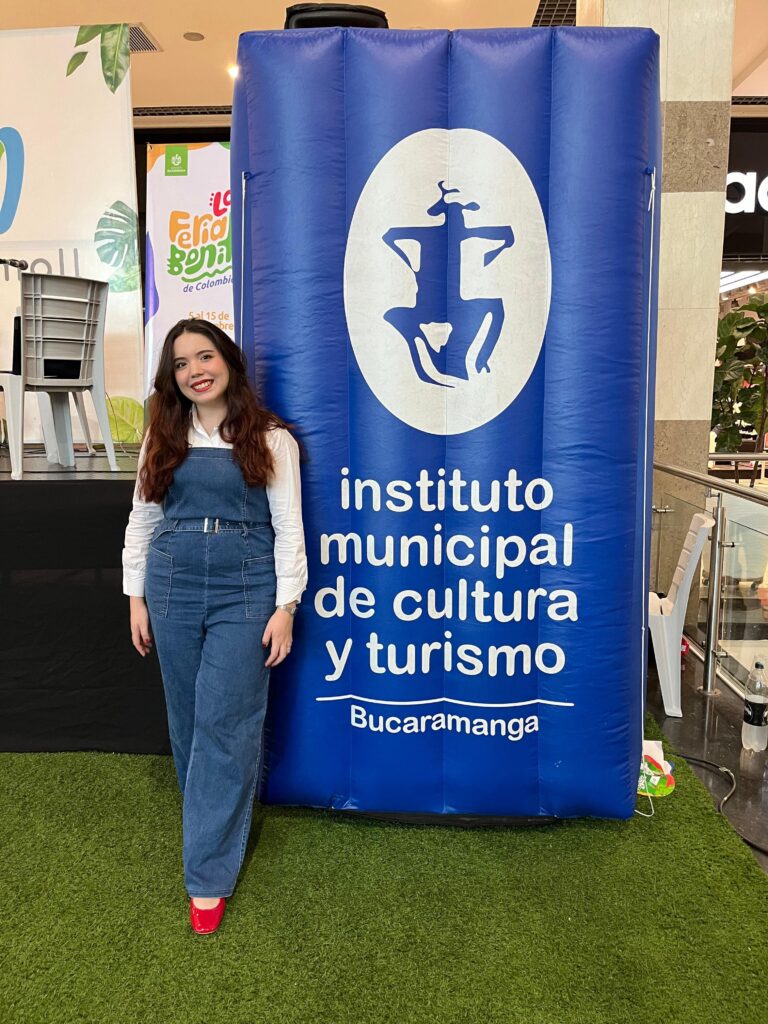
{"type": "Point", "coordinates": [244, 428]}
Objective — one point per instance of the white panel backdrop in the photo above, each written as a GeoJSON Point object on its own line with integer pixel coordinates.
{"type": "Point", "coordinates": [66, 91]}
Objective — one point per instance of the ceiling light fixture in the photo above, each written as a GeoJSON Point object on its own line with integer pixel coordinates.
{"type": "Point", "coordinates": [233, 70]}
{"type": "Point", "coordinates": [742, 276]}
{"type": "Point", "coordinates": [743, 283]}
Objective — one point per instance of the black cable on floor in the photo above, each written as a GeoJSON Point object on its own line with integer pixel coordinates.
{"type": "Point", "coordinates": [718, 768]}
{"type": "Point", "coordinates": [722, 770]}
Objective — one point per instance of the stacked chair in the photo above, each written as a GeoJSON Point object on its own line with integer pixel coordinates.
{"type": "Point", "coordinates": [61, 353]}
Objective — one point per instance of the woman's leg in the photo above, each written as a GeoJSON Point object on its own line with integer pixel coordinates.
{"type": "Point", "coordinates": [179, 648]}
{"type": "Point", "coordinates": [176, 604]}
{"type": "Point", "coordinates": [223, 770]}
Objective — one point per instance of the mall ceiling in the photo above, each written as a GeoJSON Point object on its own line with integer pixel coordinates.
{"type": "Point", "coordinates": [195, 74]}
{"type": "Point", "coordinates": [750, 48]}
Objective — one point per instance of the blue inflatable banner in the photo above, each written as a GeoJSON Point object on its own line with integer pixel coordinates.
{"type": "Point", "coordinates": [444, 267]}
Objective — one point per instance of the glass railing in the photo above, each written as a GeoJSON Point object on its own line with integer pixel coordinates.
{"type": "Point", "coordinates": [671, 522]}
{"type": "Point", "coordinates": [734, 632]}
{"type": "Point", "coordinates": [744, 616]}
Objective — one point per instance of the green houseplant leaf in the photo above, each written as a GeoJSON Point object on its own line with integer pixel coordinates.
{"type": "Point", "coordinates": [728, 439]}
{"type": "Point", "coordinates": [115, 57]}
{"type": "Point", "coordinates": [75, 61]}
{"type": "Point", "coordinates": [116, 237]}
{"type": "Point", "coordinates": [126, 420]}
{"type": "Point", "coordinates": [88, 32]}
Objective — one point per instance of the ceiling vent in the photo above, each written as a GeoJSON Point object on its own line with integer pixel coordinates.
{"type": "Point", "coordinates": [182, 111]}
{"type": "Point", "coordinates": [551, 13]}
{"type": "Point", "coordinates": [182, 117]}
{"type": "Point", "coordinates": [140, 41]}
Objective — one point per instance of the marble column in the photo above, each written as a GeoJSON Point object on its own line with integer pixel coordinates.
{"type": "Point", "coordinates": [696, 54]}
{"type": "Point", "coordinates": [696, 46]}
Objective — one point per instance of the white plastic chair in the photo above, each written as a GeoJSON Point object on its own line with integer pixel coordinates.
{"type": "Point", "coordinates": [62, 319]}
{"type": "Point", "coordinates": [667, 614]}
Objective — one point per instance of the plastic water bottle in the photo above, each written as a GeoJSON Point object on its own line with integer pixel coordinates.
{"type": "Point", "coordinates": [754, 732]}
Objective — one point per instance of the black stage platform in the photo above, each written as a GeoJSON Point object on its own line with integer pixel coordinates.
{"type": "Point", "coordinates": [69, 677]}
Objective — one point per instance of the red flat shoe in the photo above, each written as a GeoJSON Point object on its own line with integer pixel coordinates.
{"type": "Point", "coordinates": [206, 921]}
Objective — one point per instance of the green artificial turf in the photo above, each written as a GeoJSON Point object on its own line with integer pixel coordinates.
{"type": "Point", "coordinates": [336, 920]}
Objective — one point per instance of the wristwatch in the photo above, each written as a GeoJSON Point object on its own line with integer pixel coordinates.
{"type": "Point", "coordinates": [290, 608]}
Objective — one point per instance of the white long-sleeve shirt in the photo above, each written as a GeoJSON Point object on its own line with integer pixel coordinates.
{"type": "Point", "coordinates": [283, 495]}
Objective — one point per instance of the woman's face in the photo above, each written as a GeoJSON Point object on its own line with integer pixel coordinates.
{"type": "Point", "coordinates": [201, 373]}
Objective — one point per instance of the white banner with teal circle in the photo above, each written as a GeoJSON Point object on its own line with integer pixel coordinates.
{"type": "Point", "coordinates": [68, 190]}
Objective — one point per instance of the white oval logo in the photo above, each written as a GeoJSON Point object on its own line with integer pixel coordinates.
{"type": "Point", "coordinates": [447, 279]}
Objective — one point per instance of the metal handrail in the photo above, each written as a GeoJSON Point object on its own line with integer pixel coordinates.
{"type": "Point", "coordinates": [714, 483]}
{"type": "Point", "coordinates": [737, 456]}
{"type": "Point", "coordinates": [712, 650]}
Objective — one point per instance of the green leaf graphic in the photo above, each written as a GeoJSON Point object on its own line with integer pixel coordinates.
{"type": "Point", "coordinates": [115, 57]}
{"type": "Point", "coordinates": [127, 282]}
{"type": "Point", "coordinates": [116, 237]}
{"type": "Point", "coordinates": [126, 420]}
{"type": "Point", "coordinates": [88, 32]}
{"type": "Point", "coordinates": [75, 61]}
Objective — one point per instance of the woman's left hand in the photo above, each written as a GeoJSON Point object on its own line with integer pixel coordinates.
{"type": "Point", "coordinates": [278, 635]}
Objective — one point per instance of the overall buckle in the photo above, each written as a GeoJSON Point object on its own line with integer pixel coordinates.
{"type": "Point", "coordinates": [210, 525]}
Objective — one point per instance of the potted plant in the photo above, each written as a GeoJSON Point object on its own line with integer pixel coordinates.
{"type": "Point", "coordinates": [740, 395]}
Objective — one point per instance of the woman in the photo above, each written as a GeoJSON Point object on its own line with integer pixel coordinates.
{"type": "Point", "coordinates": [214, 558]}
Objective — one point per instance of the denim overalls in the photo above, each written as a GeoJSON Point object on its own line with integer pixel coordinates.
{"type": "Point", "coordinates": [210, 590]}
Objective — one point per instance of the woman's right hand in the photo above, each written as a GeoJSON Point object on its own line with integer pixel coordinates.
{"type": "Point", "coordinates": [140, 634]}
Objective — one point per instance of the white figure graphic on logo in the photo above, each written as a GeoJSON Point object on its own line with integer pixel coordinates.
{"type": "Point", "coordinates": [447, 279]}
